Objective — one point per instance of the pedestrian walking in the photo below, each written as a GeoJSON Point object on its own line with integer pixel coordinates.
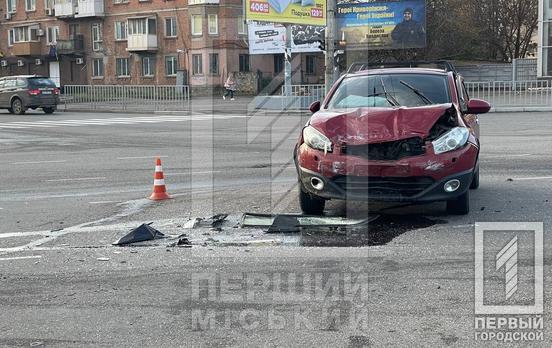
{"type": "Point", "coordinates": [231, 86]}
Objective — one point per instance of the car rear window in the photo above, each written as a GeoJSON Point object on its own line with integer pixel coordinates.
{"type": "Point", "coordinates": [38, 82]}
{"type": "Point", "coordinates": [390, 91]}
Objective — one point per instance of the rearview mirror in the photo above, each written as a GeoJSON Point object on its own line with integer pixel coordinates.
{"type": "Point", "coordinates": [315, 107]}
{"type": "Point", "coordinates": [477, 106]}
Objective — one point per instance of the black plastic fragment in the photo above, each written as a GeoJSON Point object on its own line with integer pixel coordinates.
{"type": "Point", "coordinates": [285, 224]}
{"type": "Point", "coordinates": [142, 233]}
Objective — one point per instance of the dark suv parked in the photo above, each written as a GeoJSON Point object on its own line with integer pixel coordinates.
{"type": "Point", "coordinates": [19, 93]}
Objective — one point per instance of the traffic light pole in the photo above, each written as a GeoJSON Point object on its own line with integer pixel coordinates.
{"type": "Point", "coordinates": [330, 43]}
{"type": "Point", "coordinates": [287, 68]}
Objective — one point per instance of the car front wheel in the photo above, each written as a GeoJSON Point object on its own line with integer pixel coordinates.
{"type": "Point", "coordinates": [311, 205]}
{"type": "Point", "coordinates": [17, 107]}
{"type": "Point", "coordinates": [48, 110]}
{"type": "Point", "coordinates": [460, 205]}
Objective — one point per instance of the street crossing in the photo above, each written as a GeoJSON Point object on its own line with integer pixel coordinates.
{"type": "Point", "coordinates": [113, 121]}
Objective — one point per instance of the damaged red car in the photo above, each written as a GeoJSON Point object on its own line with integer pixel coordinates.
{"type": "Point", "coordinates": [392, 135]}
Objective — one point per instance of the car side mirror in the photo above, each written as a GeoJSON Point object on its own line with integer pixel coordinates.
{"type": "Point", "coordinates": [477, 106]}
{"type": "Point", "coordinates": [315, 107]}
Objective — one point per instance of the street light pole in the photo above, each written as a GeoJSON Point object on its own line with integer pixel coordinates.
{"type": "Point", "coordinates": [330, 43]}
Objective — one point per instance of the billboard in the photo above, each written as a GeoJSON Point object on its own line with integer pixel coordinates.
{"type": "Point", "coordinates": [381, 24]}
{"type": "Point", "coordinates": [308, 12]}
{"type": "Point", "coordinates": [270, 38]}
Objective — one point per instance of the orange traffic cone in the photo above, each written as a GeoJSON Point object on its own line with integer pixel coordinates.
{"type": "Point", "coordinates": [159, 190]}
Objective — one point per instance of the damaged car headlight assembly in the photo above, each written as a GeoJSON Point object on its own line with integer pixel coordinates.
{"type": "Point", "coordinates": [451, 140]}
{"type": "Point", "coordinates": [316, 140]}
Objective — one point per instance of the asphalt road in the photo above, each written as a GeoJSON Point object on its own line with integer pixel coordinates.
{"type": "Point", "coordinates": [72, 183]}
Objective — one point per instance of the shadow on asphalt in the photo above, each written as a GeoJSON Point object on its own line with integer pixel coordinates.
{"type": "Point", "coordinates": [378, 232]}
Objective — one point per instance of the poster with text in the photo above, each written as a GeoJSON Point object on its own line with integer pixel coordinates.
{"type": "Point", "coordinates": [270, 38]}
{"type": "Point", "coordinates": [308, 12]}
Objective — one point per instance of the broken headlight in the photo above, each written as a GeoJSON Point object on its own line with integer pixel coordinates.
{"type": "Point", "coordinates": [451, 140]}
{"type": "Point", "coordinates": [316, 140]}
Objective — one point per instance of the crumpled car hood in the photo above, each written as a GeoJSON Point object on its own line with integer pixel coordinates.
{"type": "Point", "coordinates": [376, 125]}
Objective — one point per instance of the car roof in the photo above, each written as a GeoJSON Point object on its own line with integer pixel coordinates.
{"type": "Point", "coordinates": [389, 71]}
{"type": "Point", "coordinates": [24, 76]}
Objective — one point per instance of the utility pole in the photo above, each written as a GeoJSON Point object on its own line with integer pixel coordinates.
{"type": "Point", "coordinates": [330, 43]}
{"type": "Point", "coordinates": [287, 68]}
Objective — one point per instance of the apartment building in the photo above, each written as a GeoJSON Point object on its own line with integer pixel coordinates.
{"type": "Point", "coordinates": [123, 41]}
{"type": "Point", "coordinates": [163, 42]}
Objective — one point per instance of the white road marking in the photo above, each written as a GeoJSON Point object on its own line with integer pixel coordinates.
{"type": "Point", "coordinates": [20, 258]}
{"type": "Point", "coordinates": [193, 173]}
{"type": "Point", "coordinates": [77, 179]}
{"type": "Point", "coordinates": [140, 157]}
{"type": "Point", "coordinates": [39, 162]}
{"type": "Point", "coordinates": [506, 155]}
{"type": "Point", "coordinates": [103, 202]}
{"type": "Point", "coordinates": [111, 121]}
{"type": "Point", "coordinates": [533, 178]}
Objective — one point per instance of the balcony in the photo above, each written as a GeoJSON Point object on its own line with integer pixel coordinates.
{"type": "Point", "coordinates": [70, 46]}
{"type": "Point", "coordinates": [66, 8]}
{"type": "Point", "coordinates": [31, 48]}
{"type": "Point", "coordinates": [142, 42]}
{"type": "Point", "coordinates": [90, 8]}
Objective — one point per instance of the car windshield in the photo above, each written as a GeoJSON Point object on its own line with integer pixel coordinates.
{"type": "Point", "coordinates": [37, 82]}
{"type": "Point", "coordinates": [390, 91]}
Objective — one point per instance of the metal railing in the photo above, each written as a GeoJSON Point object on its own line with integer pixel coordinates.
{"type": "Point", "coordinates": [126, 97]}
{"type": "Point", "coordinates": [520, 94]}
{"type": "Point", "coordinates": [302, 96]}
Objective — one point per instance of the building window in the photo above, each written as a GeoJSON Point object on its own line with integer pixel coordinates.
{"type": "Point", "coordinates": [120, 31]}
{"type": "Point", "coordinates": [244, 63]}
{"type": "Point", "coordinates": [214, 63]}
{"type": "Point", "coordinates": [11, 38]}
{"type": "Point", "coordinates": [170, 27]}
{"type": "Point", "coordinates": [96, 36]}
{"type": "Point", "coordinates": [122, 68]}
{"type": "Point", "coordinates": [148, 66]}
{"type": "Point", "coordinates": [142, 26]}
{"type": "Point", "coordinates": [311, 65]}
{"type": "Point", "coordinates": [25, 34]}
{"type": "Point", "coordinates": [170, 65]}
{"type": "Point", "coordinates": [74, 30]}
{"type": "Point", "coordinates": [197, 23]}
{"type": "Point", "coordinates": [242, 27]}
{"type": "Point", "coordinates": [213, 24]}
{"type": "Point", "coordinates": [97, 67]}
{"type": "Point", "coordinates": [49, 4]}
{"type": "Point", "coordinates": [197, 64]}
{"type": "Point", "coordinates": [11, 6]}
{"type": "Point", "coordinates": [278, 63]}
{"type": "Point", "coordinates": [30, 5]}
{"type": "Point", "coordinates": [52, 35]}
{"type": "Point", "coordinates": [120, 1]}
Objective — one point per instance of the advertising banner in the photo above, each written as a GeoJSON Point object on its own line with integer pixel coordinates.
{"type": "Point", "coordinates": [308, 12]}
{"type": "Point", "coordinates": [270, 38]}
{"type": "Point", "coordinates": [380, 24]}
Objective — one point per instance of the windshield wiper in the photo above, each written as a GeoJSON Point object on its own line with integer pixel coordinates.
{"type": "Point", "coordinates": [388, 96]}
{"type": "Point", "coordinates": [418, 93]}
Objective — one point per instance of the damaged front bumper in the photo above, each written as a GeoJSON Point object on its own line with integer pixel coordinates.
{"type": "Point", "coordinates": [414, 179]}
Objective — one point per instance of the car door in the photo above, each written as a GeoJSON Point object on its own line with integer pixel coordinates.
{"type": "Point", "coordinates": [3, 103]}
{"type": "Point", "coordinates": [10, 90]}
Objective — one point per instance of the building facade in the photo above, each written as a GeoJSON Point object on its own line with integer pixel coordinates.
{"type": "Point", "coordinates": [136, 42]}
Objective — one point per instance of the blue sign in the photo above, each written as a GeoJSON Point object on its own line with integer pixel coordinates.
{"type": "Point", "coordinates": [393, 24]}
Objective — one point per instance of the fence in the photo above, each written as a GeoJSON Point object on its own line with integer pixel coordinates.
{"type": "Point", "coordinates": [126, 98]}
{"type": "Point", "coordinates": [303, 96]}
{"type": "Point", "coordinates": [522, 94]}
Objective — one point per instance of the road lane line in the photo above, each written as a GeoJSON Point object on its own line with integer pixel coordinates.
{"type": "Point", "coordinates": [140, 157]}
{"type": "Point", "coordinates": [20, 258]}
{"type": "Point", "coordinates": [533, 178]}
{"type": "Point", "coordinates": [40, 162]}
{"type": "Point", "coordinates": [103, 202]}
{"type": "Point", "coordinates": [77, 179]}
{"type": "Point", "coordinates": [193, 173]}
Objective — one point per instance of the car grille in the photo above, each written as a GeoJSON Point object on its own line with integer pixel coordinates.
{"type": "Point", "coordinates": [384, 186]}
{"type": "Point", "coordinates": [388, 151]}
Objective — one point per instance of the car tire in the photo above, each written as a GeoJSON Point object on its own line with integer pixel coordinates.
{"type": "Point", "coordinates": [310, 204]}
{"type": "Point", "coordinates": [10, 110]}
{"type": "Point", "coordinates": [460, 205]}
{"type": "Point", "coordinates": [17, 106]}
{"type": "Point", "coordinates": [48, 110]}
{"type": "Point", "coordinates": [475, 180]}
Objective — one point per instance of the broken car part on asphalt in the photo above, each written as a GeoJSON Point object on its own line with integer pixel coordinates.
{"type": "Point", "coordinates": [286, 223]}
{"type": "Point", "coordinates": [142, 233]}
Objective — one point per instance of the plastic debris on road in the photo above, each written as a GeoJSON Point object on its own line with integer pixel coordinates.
{"type": "Point", "coordinates": [140, 234]}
